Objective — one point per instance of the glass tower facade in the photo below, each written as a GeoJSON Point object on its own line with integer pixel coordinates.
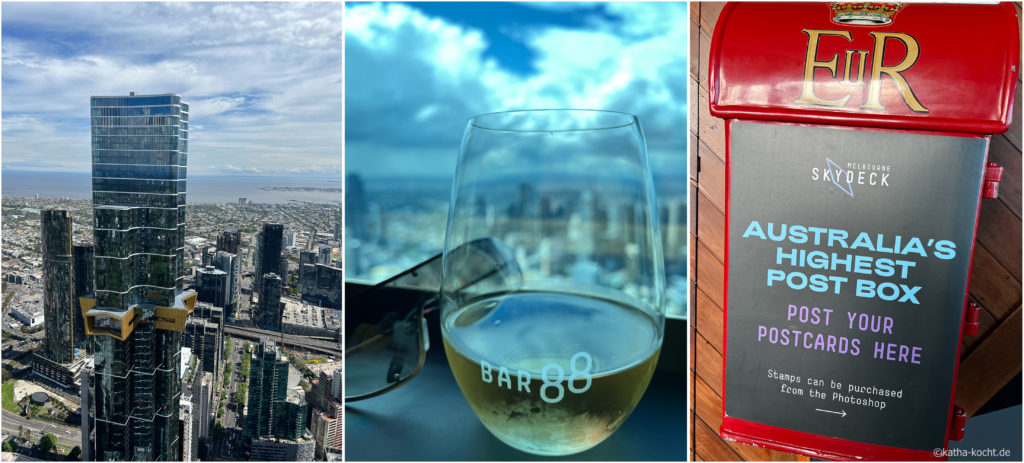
{"type": "Point", "coordinates": [55, 228]}
{"type": "Point", "coordinates": [138, 312]}
{"type": "Point", "coordinates": [272, 413]}
{"type": "Point", "coordinates": [269, 312]}
{"type": "Point", "coordinates": [268, 251]}
{"type": "Point", "coordinates": [83, 266]}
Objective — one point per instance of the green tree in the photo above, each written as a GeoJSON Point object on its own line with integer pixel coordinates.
{"type": "Point", "coordinates": [47, 443]}
{"type": "Point", "coordinates": [243, 371]}
{"type": "Point", "coordinates": [75, 454]}
{"type": "Point", "coordinates": [8, 446]}
{"type": "Point", "coordinates": [243, 390]}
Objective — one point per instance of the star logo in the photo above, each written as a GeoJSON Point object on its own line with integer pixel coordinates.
{"type": "Point", "coordinates": [837, 173]}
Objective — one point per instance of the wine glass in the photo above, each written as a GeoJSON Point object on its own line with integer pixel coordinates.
{"type": "Point", "coordinates": [553, 360]}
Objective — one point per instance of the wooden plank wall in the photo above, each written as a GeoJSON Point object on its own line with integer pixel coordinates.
{"type": "Point", "coordinates": [993, 357]}
{"type": "Point", "coordinates": [988, 361]}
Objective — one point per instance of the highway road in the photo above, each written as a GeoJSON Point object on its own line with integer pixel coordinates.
{"type": "Point", "coordinates": [293, 340]}
{"type": "Point", "coordinates": [66, 435]}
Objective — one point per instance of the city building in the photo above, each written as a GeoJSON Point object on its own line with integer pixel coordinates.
{"type": "Point", "coordinates": [306, 258]}
{"type": "Point", "coordinates": [201, 337]}
{"type": "Point", "coordinates": [326, 385]}
{"type": "Point", "coordinates": [185, 361]}
{"type": "Point", "coordinates": [192, 337]}
{"type": "Point", "coordinates": [268, 252]}
{"type": "Point", "coordinates": [55, 228]}
{"type": "Point", "coordinates": [319, 283]}
{"type": "Point", "coordinates": [64, 266]}
{"type": "Point", "coordinates": [206, 409]}
{"type": "Point", "coordinates": [356, 208]}
{"type": "Point", "coordinates": [327, 427]}
{"type": "Point", "coordinates": [206, 254]}
{"type": "Point", "coordinates": [30, 315]}
{"type": "Point", "coordinates": [324, 255]}
{"type": "Point", "coordinates": [302, 318]}
{"type": "Point", "coordinates": [230, 240]}
{"type": "Point", "coordinates": [274, 410]}
{"type": "Point", "coordinates": [204, 335]}
{"type": "Point", "coordinates": [269, 312]}
{"type": "Point", "coordinates": [230, 263]}
{"type": "Point", "coordinates": [189, 442]}
{"type": "Point", "coordinates": [84, 273]}
{"type": "Point", "coordinates": [213, 285]}
{"type": "Point", "coordinates": [192, 394]}
{"type": "Point", "coordinates": [60, 374]}
{"type": "Point", "coordinates": [307, 271]}
{"type": "Point", "coordinates": [213, 348]}
{"type": "Point", "coordinates": [327, 417]}
{"type": "Point", "coordinates": [290, 415]}
{"type": "Point", "coordinates": [137, 314]}
{"type": "Point", "coordinates": [283, 450]}
{"type": "Point", "coordinates": [88, 411]}
{"type": "Point", "coordinates": [337, 381]}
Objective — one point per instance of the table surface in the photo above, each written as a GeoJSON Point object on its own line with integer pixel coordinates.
{"type": "Point", "coordinates": [428, 418]}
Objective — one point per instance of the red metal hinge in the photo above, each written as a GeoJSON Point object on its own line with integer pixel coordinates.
{"type": "Point", "coordinates": [957, 424]}
{"type": "Point", "coordinates": [971, 323]}
{"type": "Point", "coordinates": [993, 174]}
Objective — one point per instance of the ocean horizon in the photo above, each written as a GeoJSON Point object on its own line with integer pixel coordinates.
{"type": "Point", "coordinates": [202, 189]}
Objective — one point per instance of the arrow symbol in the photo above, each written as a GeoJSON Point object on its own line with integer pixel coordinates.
{"type": "Point", "coordinates": [842, 413]}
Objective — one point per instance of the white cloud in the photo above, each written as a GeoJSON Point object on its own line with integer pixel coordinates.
{"type": "Point", "coordinates": [210, 106]}
{"type": "Point", "coordinates": [263, 79]}
{"type": "Point", "coordinates": [413, 80]}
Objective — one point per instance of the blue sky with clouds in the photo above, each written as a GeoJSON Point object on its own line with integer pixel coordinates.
{"type": "Point", "coordinates": [415, 72]}
{"type": "Point", "coordinates": [264, 80]}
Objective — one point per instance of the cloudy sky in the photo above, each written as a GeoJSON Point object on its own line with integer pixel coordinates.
{"type": "Point", "coordinates": [263, 80]}
{"type": "Point", "coordinates": [415, 73]}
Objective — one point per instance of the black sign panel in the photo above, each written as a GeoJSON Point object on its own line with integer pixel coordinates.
{"type": "Point", "coordinates": [847, 268]}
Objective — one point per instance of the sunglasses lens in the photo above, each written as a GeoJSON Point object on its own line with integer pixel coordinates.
{"type": "Point", "coordinates": [384, 359]}
{"type": "Point", "coordinates": [384, 339]}
{"type": "Point", "coordinates": [385, 342]}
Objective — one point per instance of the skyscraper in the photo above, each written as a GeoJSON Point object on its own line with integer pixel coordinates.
{"type": "Point", "coordinates": [268, 394]}
{"type": "Point", "coordinates": [214, 286]}
{"type": "Point", "coordinates": [324, 255]}
{"type": "Point", "coordinates": [81, 283]}
{"type": "Point", "coordinates": [356, 208]}
{"type": "Point", "coordinates": [268, 251]}
{"type": "Point", "coordinates": [269, 312]}
{"type": "Point", "coordinates": [57, 285]}
{"type": "Point", "coordinates": [229, 240]}
{"type": "Point", "coordinates": [138, 312]}
{"type": "Point", "coordinates": [231, 264]}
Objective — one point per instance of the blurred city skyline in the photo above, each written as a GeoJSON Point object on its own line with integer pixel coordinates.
{"type": "Point", "coordinates": [416, 72]}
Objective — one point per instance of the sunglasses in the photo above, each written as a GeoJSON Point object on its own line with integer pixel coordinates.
{"type": "Point", "coordinates": [386, 339]}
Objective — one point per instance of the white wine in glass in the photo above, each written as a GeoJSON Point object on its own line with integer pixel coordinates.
{"type": "Point", "coordinates": [554, 360]}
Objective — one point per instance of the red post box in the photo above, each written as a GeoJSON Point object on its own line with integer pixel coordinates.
{"type": "Point", "coordinates": [856, 159]}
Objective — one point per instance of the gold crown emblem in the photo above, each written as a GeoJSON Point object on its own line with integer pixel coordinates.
{"type": "Point", "coordinates": [865, 13]}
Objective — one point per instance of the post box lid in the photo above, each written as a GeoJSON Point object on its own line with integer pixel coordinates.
{"type": "Point", "coordinates": [946, 67]}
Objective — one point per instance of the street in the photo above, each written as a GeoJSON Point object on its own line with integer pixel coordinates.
{"type": "Point", "coordinates": [66, 435]}
{"type": "Point", "coordinates": [228, 447]}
